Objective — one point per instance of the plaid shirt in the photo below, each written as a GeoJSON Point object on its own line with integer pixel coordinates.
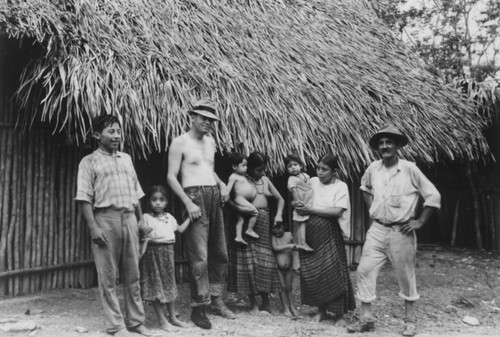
{"type": "Point", "coordinates": [395, 196]}
{"type": "Point", "coordinates": [106, 180]}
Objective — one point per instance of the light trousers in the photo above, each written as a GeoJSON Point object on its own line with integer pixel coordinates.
{"type": "Point", "coordinates": [382, 244]}
{"type": "Point", "coordinates": [119, 257]}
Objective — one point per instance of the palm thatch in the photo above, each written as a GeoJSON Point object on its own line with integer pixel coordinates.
{"type": "Point", "coordinates": [307, 77]}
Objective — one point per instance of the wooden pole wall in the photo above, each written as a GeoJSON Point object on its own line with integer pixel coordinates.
{"type": "Point", "coordinates": [40, 227]}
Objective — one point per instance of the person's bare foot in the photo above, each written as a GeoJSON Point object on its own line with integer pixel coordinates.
{"type": "Point", "coordinates": [267, 307]}
{"type": "Point", "coordinates": [252, 234]}
{"type": "Point", "coordinates": [254, 310]}
{"type": "Point", "coordinates": [294, 311]}
{"type": "Point", "coordinates": [177, 322]}
{"type": "Point", "coordinates": [240, 240]}
{"type": "Point", "coordinates": [165, 326]}
{"type": "Point", "coordinates": [287, 312]}
{"type": "Point", "coordinates": [321, 315]}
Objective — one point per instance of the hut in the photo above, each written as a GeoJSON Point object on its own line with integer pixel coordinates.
{"type": "Point", "coordinates": [308, 77]}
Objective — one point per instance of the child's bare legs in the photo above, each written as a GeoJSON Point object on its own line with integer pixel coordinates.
{"type": "Point", "coordinates": [289, 291]}
{"type": "Point", "coordinates": [164, 325]}
{"type": "Point", "coordinates": [301, 231]}
{"type": "Point", "coordinates": [251, 224]}
{"type": "Point", "coordinates": [284, 293]}
{"type": "Point", "coordinates": [254, 307]}
{"type": "Point", "coordinates": [284, 262]}
{"type": "Point", "coordinates": [173, 316]}
{"type": "Point", "coordinates": [239, 230]}
{"type": "Point", "coordinates": [295, 233]}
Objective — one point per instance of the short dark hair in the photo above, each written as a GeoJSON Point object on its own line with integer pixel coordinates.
{"type": "Point", "coordinates": [101, 122]}
{"type": "Point", "coordinates": [331, 161]}
{"type": "Point", "coordinates": [295, 158]}
{"type": "Point", "coordinates": [236, 158]}
{"type": "Point", "coordinates": [256, 159]}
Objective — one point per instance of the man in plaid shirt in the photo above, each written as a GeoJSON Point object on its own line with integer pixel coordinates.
{"type": "Point", "coordinates": [108, 193]}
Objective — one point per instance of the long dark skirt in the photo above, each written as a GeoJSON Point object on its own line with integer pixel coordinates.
{"type": "Point", "coordinates": [324, 276]}
{"type": "Point", "coordinates": [157, 268]}
{"type": "Point", "coordinates": [252, 268]}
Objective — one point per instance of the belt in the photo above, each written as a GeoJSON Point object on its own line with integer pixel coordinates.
{"type": "Point", "coordinates": [392, 224]}
{"type": "Point", "coordinates": [113, 210]}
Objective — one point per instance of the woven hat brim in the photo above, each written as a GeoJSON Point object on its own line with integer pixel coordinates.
{"type": "Point", "coordinates": [206, 114]}
{"type": "Point", "coordinates": [401, 140]}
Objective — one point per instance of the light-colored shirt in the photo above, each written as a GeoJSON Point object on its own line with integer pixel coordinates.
{"type": "Point", "coordinates": [302, 184]}
{"type": "Point", "coordinates": [333, 195]}
{"type": "Point", "coordinates": [164, 228]}
{"type": "Point", "coordinates": [108, 180]}
{"type": "Point", "coordinates": [396, 191]}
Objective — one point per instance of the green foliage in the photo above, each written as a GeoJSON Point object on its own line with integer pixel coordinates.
{"type": "Point", "coordinates": [458, 37]}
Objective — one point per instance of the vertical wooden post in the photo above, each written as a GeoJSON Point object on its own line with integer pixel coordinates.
{"type": "Point", "coordinates": [455, 223]}
{"type": "Point", "coordinates": [475, 202]}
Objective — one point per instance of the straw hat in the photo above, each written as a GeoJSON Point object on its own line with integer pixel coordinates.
{"type": "Point", "coordinates": [390, 131]}
{"type": "Point", "coordinates": [205, 107]}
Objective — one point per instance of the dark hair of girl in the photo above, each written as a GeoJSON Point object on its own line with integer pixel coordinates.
{"type": "Point", "coordinates": [101, 122]}
{"type": "Point", "coordinates": [331, 161]}
{"type": "Point", "coordinates": [255, 159]}
{"type": "Point", "coordinates": [236, 158]}
{"type": "Point", "coordinates": [293, 158]}
{"type": "Point", "coordinates": [155, 189]}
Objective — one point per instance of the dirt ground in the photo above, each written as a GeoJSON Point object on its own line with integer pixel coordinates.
{"type": "Point", "coordinates": [453, 284]}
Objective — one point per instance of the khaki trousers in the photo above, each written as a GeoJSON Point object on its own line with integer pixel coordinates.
{"type": "Point", "coordinates": [119, 257]}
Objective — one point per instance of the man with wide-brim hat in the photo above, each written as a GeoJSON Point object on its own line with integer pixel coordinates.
{"type": "Point", "coordinates": [205, 107]}
{"type": "Point", "coordinates": [391, 189]}
{"type": "Point", "coordinates": [192, 178]}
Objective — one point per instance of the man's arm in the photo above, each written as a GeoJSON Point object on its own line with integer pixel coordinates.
{"type": "Point", "coordinates": [415, 224]}
{"type": "Point", "coordinates": [432, 200]}
{"type": "Point", "coordinates": [224, 193]}
{"type": "Point", "coordinates": [368, 198]}
{"type": "Point", "coordinates": [96, 233]}
{"type": "Point", "coordinates": [366, 187]}
{"type": "Point", "coordinates": [138, 212]}
{"type": "Point", "coordinates": [174, 165]}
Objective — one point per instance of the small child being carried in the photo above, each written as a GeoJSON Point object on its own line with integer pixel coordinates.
{"type": "Point", "coordinates": [157, 263]}
{"type": "Point", "coordinates": [299, 184]}
{"type": "Point", "coordinates": [239, 166]}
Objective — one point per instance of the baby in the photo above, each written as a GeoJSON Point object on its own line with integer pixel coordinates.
{"type": "Point", "coordinates": [239, 165]}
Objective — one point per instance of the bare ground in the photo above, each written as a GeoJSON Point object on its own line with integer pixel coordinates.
{"type": "Point", "coordinates": [452, 283]}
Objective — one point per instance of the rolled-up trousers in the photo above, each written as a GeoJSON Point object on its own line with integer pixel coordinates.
{"type": "Point", "coordinates": [206, 246]}
{"type": "Point", "coordinates": [382, 244]}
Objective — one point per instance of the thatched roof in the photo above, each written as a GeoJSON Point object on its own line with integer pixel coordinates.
{"type": "Point", "coordinates": [289, 76]}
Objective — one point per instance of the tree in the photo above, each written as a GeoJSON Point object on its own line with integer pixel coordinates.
{"type": "Point", "coordinates": [458, 37]}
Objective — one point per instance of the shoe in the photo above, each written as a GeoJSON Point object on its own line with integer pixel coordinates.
{"type": "Point", "coordinates": [221, 310]}
{"type": "Point", "coordinates": [361, 326]}
{"type": "Point", "coordinates": [410, 329]}
{"type": "Point", "coordinates": [200, 319]}
{"type": "Point", "coordinates": [141, 330]}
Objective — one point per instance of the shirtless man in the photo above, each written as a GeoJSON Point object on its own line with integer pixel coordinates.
{"type": "Point", "coordinates": [192, 178]}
